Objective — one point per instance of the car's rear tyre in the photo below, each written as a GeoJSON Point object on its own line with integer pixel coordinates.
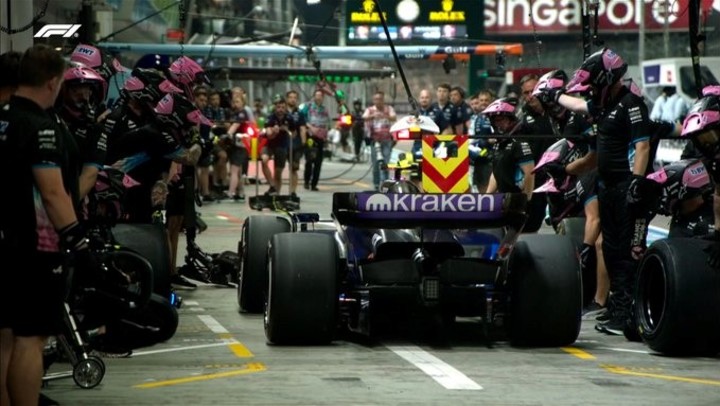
{"type": "Point", "coordinates": [574, 227]}
{"type": "Point", "coordinates": [677, 301]}
{"type": "Point", "coordinates": [545, 291]}
{"type": "Point", "coordinates": [252, 249]}
{"type": "Point", "coordinates": [151, 242]}
{"type": "Point", "coordinates": [302, 303]}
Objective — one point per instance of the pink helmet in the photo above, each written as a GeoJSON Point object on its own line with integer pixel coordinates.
{"type": "Point", "coordinates": [187, 72]}
{"type": "Point", "coordinates": [711, 90]}
{"type": "Point", "coordinates": [84, 76]}
{"type": "Point", "coordinates": [702, 125]}
{"type": "Point", "coordinates": [179, 112]}
{"type": "Point", "coordinates": [502, 107]}
{"type": "Point", "coordinates": [91, 57]}
{"type": "Point", "coordinates": [148, 85]}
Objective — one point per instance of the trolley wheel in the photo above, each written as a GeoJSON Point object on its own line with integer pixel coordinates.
{"type": "Point", "coordinates": [89, 372]}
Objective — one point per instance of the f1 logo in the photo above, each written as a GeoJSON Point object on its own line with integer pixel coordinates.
{"type": "Point", "coordinates": [65, 30]}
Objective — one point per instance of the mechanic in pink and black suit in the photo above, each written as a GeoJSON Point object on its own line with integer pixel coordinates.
{"type": "Point", "coordinates": [702, 126]}
{"type": "Point", "coordinates": [513, 161]}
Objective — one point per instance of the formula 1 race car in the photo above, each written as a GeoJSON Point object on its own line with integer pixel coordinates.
{"type": "Point", "coordinates": [384, 254]}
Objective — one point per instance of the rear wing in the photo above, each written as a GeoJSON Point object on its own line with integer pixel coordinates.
{"type": "Point", "coordinates": [430, 210]}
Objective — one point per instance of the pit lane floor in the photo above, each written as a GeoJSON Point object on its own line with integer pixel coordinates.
{"type": "Point", "coordinates": [219, 357]}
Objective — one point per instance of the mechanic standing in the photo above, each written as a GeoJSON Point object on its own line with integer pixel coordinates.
{"type": "Point", "coordinates": [40, 165]}
{"type": "Point", "coordinates": [623, 190]}
{"type": "Point", "coordinates": [358, 127]}
{"type": "Point", "coordinates": [428, 109]}
{"type": "Point", "coordinates": [378, 120]}
{"type": "Point", "coordinates": [317, 120]}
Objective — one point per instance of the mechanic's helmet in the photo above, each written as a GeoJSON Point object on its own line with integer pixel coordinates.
{"type": "Point", "coordinates": [89, 56]}
{"type": "Point", "coordinates": [357, 102]}
{"type": "Point", "coordinates": [555, 79]}
{"type": "Point", "coordinates": [711, 90]}
{"type": "Point", "coordinates": [562, 151]}
{"type": "Point", "coordinates": [186, 73]}
{"type": "Point", "coordinates": [83, 90]}
{"type": "Point", "coordinates": [702, 125]}
{"type": "Point", "coordinates": [339, 94]}
{"type": "Point", "coordinates": [500, 108]}
{"type": "Point", "coordinates": [177, 111]}
{"type": "Point", "coordinates": [148, 86]}
{"type": "Point", "coordinates": [597, 74]}
{"type": "Point", "coordinates": [680, 180]}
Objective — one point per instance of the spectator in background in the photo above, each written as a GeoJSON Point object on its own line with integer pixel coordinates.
{"type": "Point", "coordinates": [219, 158]}
{"type": "Point", "coordinates": [428, 109]}
{"type": "Point", "coordinates": [378, 120]}
{"type": "Point", "coordinates": [669, 106]}
{"type": "Point", "coordinates": [317, 119]}
{"type": "Point", "coordinates": [235, 147]}
{"type": "Point", "coordinates": [463, 111]}
{"type": "Point", "coordinates": [358, 127]}
{"type": "Point", "coordinates": [449, 111]}
{"type": "Point", "coordinates": [480, 149]}
{"type": "Point", "coordinates": [299, 139]}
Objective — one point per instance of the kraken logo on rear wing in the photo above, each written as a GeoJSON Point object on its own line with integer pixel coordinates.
{"type": "Point", "coordinates": [442, 210]}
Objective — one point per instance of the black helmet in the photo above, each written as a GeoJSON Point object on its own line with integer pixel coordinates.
{"type": "Point", "coordinates": [597, 73]}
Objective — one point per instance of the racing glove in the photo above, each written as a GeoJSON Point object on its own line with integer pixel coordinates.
{"type": "Point", "coordinates": [713, 250]}
{"type": "Point", "coordinates": [550, 96]}
{"type": "Point", "coordinates": [639, 190]}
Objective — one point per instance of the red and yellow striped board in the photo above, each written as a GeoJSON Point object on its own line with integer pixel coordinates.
{"type": "Point", "coordinates": [447, 174]}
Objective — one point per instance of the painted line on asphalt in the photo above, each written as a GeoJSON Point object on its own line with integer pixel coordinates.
{"type": "Point", "coordinates": [235, 346]}
{"type": "Point", "coordinates": [443, 373]}
{"type": "Point", "coordinates": [249, 369]}
{"type": "Point", "coordinates": [625, 350]}
{"type": "Point", "coordinates": [191, 303]}
{"type": "Point", "coordinates": [625, 371]}
{"type": "Point", "coordinates": [186, 348]}
{"type": "Point", "coordinates": [212, 324]}
{"type": "Point", "coordinates": [578, 353]}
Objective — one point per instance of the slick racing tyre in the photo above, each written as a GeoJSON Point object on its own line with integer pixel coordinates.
{"type": "Point", "coordinates": [302, 303]}
{"type": "Point", "coordinates": [574, 227]}
{"type": "Point", "coordinates": [545, 291]}
{"type": "Point", "coordinates": [150, 241]}
{"type": "Point", "coordinates": [677, 301]}
{"type": "Point", "coordinates": [252, 249]}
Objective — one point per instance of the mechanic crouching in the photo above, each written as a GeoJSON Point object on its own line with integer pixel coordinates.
{"type": "Point", "coordinates": [513, 163]}
{"type": "Point", "coordinates": [702, 126]}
